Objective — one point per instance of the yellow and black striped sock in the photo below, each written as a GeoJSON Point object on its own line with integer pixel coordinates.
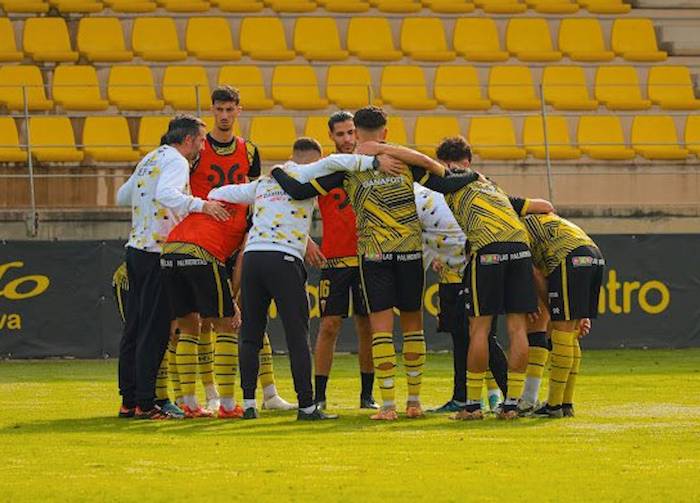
{"type": "Point", "coordinates": [475, 383]}
{"type": "Point", "coordinates": [172, 370]}
{"type": "Point", "coordinates": [571, 381]}
{"type": "Point", "coordinates": [205, 358]}
{"type": "Point", "coordinates": [226, 363]}
{"type": "Point", "coordinates": [516, 381]}
{"type": "Point", "coordinates": [384, 358]}
{"type": "Point", "coordinates": [536, 361]}
{"type": "Point", "coordinates": [414, 345]}
{"type": "Point", "coordinates": [162, 379]}
{"type": "Point", "coordinates": [562, 360]}
{"type": "Point", "coordinates": [187, 363]}
{"type": "Point", "coordinates": [266, 374]}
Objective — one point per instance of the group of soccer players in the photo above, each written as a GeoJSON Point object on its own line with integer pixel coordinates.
{"type": "Point", "coordinates": [209, 233]}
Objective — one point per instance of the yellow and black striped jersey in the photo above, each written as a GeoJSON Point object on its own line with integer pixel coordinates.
{"type": "Point", "coordinates": [552, 238]}
{"type": "Point", "coordinates": [488, 215]}
{"type": "Point", "coordinates": [120, 278]}
{"type": "Point", "coordinates": [385, 210]}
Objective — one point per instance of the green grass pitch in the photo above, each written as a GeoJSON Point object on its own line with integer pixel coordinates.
{"type": "Point", "coordinates": [636, 437]}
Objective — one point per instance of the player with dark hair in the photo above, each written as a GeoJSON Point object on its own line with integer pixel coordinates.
{"type": "Point", "coordinates": [340, 291]}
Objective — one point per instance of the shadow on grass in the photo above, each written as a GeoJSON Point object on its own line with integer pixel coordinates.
{"type": "Point", "coordinates": [266, 426]}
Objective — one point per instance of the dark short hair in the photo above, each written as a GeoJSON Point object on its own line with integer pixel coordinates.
{"type": "Point", "coordinates": [337, 118]}
{"type": "Point", "coordinates": [180, 128]}
{"type": "Point", "coordinates": [454, 149]}
{"type": "Point", "coordinates": [226, 94]}
{"type": "Point", "coordinates": [370, 118]}
{"type": "Point", "coordinates": [306, 144]}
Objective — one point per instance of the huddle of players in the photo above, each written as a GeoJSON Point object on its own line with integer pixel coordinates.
{"type": "Point", "coordinates": [375, 228]}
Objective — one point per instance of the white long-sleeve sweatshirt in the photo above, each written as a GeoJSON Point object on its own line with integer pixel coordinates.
{"type": "Point", "coordinates": [281, 223]}
{"type": "Point", "coordinates": [159, 195]}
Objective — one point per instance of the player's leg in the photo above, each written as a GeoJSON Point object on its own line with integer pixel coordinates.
{"type": "Point", "coordinates": [410, 279]}
{"type": "Point", "coordinates": [226, 366]}
{"type": "Point", "coordinates": [537, 359]}
{"type": "Point", "coordinates": [364, 342]}
{"type": "Point", "coordinates": [477, 364]}
{"type": "Point", "coordinates": [255, 302]}
{"type": "Point", "coordinates": [205, 364]}
{"type": "Point", "coordinates": [498, 368]}
{"type": "Point", "coordinates": [328, 330]}
{"type": "Point", "coordinates": [172, 366]}
{"type": "Point", "coordinates": [186, 357]}
{"type": "Point", "coordinates": [377, 285]}
{"type": "Point", "coordinates": [567, 406]}
{"type": "Point", "coordinates": [127, 344]}
{"type": "Point", "coordinates": [271, 398]}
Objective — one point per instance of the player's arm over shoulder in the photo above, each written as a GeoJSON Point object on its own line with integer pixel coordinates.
{"type": "Point", "coordinates": [524, 206]}
{"type": "Point", "coordinates": [403, 154]}
{"type": "Point", "coordinates": [305, 190]}
{"type": "Point", "coordinates": [241, 193]}
{"type": "Point", "coordinates": [444, 185]}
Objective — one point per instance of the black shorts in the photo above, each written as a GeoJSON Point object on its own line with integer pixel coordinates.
{"type": "Point", "coordinates": [452, 307]}
{"type": "Point", "coordinates": [340, 292]}
{"type": "Point", "coordinates": [498, 280]}
{"type": "Point", "coordinates": [574, 286]}
{"type": "Point", "coordinates": [195, 285]}
{"type": "Point", "coordinates": [393, 280]}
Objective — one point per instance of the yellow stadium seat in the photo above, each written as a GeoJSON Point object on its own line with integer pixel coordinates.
{"type": "Point", "coordinates": [458, 88]}
{"type": "Point", "coordinates": [581, 39]}
{"type": "Point", "coordinates": [423, 39]}
{"type": "Point", "coordinates": [263, 38]}
{"type": "Point", "coordinates": [24, 6]}
{"type": "Point", "coordinates": [296, 88]}
{"type": "Point", "coordinates": [370, 39]}
{"type": "Point", "coordinates": [692, 134]}
{"type": "Point", "coordinates": [476, 38]}
{"type": "Point", "coordinates": [151, 128]}
{"type": "Point", "coordinates": [396, 131]}
{"type": "Point", "coordinates": [239, 5]}
{"type": "Point", "coordinates": [10, 150]}
{"type": "Point", "coordinates": [449, 6]}
{"type": "Point", "coordinates": [600, 137]}
{"type": "Point", "coordinates": [274, 137]}
{"type": "Point", "coordinates": [350, 86]}
{"type": "Point", "coordinates": [397, 6]}
{"type": "Point", "coordinates": [186, 87]}
{"type": "Point", "coordinates": [76, 87]}
{"type": "Point", "coordinates": [101, 39]}
{"type": "Point", "coordinates": [654, 137]}
{"type": "Point", "coordinates": [529, 39]}
{"type": "Point", "coordinates": [671, 88]}
{"type": "Point", "coordinates": [107, 139]}
{"type": "Point", "coordinates": [53, 140]}
{"type": "Point", "coordinates": [605, 6]}
{"type": "Point", "coordinates": [511, 88]}
{"type": "Point", "coordinates": [317, 128]}
{"type": "Point", "coordinates": [13, 78]}
{"type": "Point", "coordinates": [494, 138]}
{"type": "Point", "coordinates": [8, 47]}
{"type": "Point", "coordinates": [77, 6]}
{"type": "Point", "coordinates": [565, 88]}
{"type": "Point", "coordinates": [635, 40]}
{"type": "Point", "coordinates": [403, 87]}
{"type": "Point", "coordinates": [501, 6]}
{"type": "Point", "coordinates": [155, 39]}
{"type": "Point", "coordinates": [132, 6]}
{"type": "Point", "coordinates": [346, 6]}
{"type": "Point", "coordinates": [430, 131]}
{"type": "Point", "coordinates": [553, 6]}
{"type": "Point", "coordinates": [291, 5]}
{"type": "Point", "coordinates": [46, 39]}
{"type": "Point", "coordinates": [317, 39]}
{"type": "Point", "coordinates": [557, 137]}
{"type": "Point", "coordinates": [617, 87]}
{"type": "Point", "coordinates": [131, 88]}
{"type": "Point", "coordinates": [202, 45]}
{"type": "Point", "coordinates": [248, 80]}
{"type": "Point", "coordinates": [184, 5]}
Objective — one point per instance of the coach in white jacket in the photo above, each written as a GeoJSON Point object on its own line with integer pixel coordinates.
{"type": "Point", "coordinates": [159, 195]}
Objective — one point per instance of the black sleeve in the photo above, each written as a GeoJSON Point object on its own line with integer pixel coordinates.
{"type": "Point", "coordinates": [316, 187]}
{"type": "Point", "coordinates": [444, 185]}
{"type": "Point", "coordinates": [519, 205]}
{"type": "Point", "coordinates": [254, 171]}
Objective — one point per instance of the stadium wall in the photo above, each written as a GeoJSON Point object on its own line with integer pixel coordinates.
{"type": "Point", "coordinates": [56, 300]}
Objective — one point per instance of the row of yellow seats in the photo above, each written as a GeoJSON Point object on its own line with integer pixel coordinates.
{"type": "Point", "coordinates": [108, 139]}
{"type": "Point", "coordinates": [101, 39]}
{"type": "Point", "coordinates": [76, 88]}
{"type": "Point", "coordinates": [347, 6]}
